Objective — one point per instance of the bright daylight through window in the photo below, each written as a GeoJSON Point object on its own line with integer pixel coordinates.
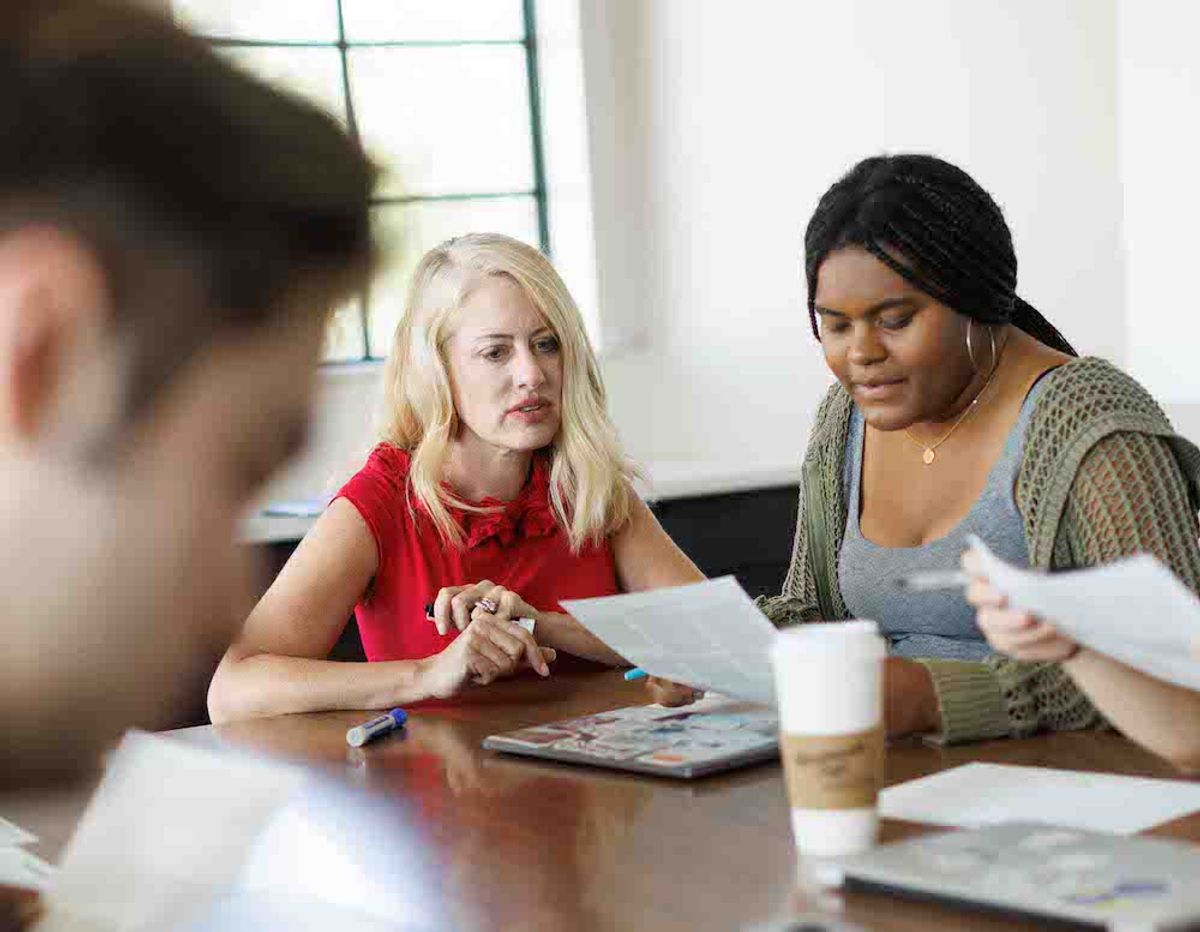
{"type": "Point", "coordinates": [443, 94]}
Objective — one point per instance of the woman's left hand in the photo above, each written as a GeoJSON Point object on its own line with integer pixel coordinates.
{"type": "Point", "coordinates": [1018, 634]}
{"type": "Point", "coordinates": [509, 606]}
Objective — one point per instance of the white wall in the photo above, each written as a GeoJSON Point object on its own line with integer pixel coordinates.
{"type": "Point", "coordinates": [1159, 95]}
{"type": "Point", "coordinates": [714, 127]}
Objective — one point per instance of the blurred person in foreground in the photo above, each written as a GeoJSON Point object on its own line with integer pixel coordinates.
{"type": "Point", "coordinates": [173, 234]}
{"type": "Point", "coordinates": [1163, 717]}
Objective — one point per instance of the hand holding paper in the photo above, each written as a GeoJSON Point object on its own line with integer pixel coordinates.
{"type": "Point", "coordinates": [708, 634]}
{"type": "Point", "coordinates": [1134, 610]}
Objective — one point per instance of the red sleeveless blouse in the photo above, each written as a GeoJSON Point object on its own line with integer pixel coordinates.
{"type": "Point", "coordinates": [519, 546]}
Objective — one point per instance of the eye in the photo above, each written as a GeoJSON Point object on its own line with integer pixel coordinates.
{"type": "Point", "coordinates": [896, 323]}
{"type": "Point", "coordinates": [834, 326]}
{"type": "Point", "coordinates": [546, 345]}
{"type": "Point", "coordinates": [495, 353]}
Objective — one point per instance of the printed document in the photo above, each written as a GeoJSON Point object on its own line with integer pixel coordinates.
{"type": "Point", "coordinates": [1134, 610]}
{"type": "Point", "coordinates": [707, 634]}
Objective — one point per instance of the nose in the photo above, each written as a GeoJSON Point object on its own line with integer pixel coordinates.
{"type": "Point", "coordinates": [528, 374]}
{"type": "Point", "coordinates": [865, 346]}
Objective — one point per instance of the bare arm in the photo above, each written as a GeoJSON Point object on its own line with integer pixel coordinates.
{"type": "Point", "coordinates": [277, 664]}
{"type": "Point", "coordinates": [645, 558]}
{"type": "Point", "coordinates": [1160, 715]}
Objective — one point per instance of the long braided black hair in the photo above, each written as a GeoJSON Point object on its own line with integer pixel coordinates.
{"type": "Point", "coordinates": [930, 222]}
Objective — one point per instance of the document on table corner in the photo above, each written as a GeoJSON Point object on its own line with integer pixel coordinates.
{"type": "Point", "coordinates": [975, 795]}
{"type": "Point", "coordinates": [707, 634]}
{"type": "Point", "coordinates": [1134, 610]}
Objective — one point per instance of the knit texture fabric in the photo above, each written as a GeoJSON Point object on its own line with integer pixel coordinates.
{"type": "Point", "coordinates": [1103, 476]}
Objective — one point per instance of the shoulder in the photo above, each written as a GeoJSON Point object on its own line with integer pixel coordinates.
{"type": "Point", "coordinates": [380, 486]}
{"type": "Point", "coordinates": [1090, 387]}
{"type": "Point", "coordinates": [1084, 402]}
{"type": "Point", "coordinates": [388, 461]}
{"type": "Point", "coordinates": [827, 440]}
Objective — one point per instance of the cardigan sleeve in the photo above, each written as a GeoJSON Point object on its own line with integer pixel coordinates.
{"type": "Point", "coordinates": [1128, 496]}
{"type": "Point", "coordinates": [798, 600]}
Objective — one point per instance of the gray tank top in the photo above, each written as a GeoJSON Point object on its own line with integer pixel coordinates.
{"type": "Point", "coordinates": [931, 624]}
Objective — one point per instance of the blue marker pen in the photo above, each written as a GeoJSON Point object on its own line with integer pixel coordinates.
{"type": "Point", "coordinates": [636, 673]}
{"type": "Point", "coordinates": [359, 735]}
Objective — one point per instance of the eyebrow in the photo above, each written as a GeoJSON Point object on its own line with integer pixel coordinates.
{"type": "Point", "coordinates": [509, 336]}
{"type": "Point", "coordinates": [877, 308]}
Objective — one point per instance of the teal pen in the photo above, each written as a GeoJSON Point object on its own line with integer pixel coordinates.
{"type": "Point", "coordinates": [359, 735]}
{"type": "Point", "coordinates": [636, 673]}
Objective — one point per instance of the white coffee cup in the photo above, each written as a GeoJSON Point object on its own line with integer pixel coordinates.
{"type": "Point", "coordinates": [829, 683]}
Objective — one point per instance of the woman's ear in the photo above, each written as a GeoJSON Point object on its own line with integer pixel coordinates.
{"type": "Point", "coordinates": [53, 310]}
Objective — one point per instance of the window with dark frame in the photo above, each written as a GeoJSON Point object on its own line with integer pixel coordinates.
{"type": "Point", "coordinates": [444, 96]}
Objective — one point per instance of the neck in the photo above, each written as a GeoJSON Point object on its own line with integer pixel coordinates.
{"type": "Point", "coordinates": [478, 470]}
{"type": "Point", "coordinates": [976, 385]}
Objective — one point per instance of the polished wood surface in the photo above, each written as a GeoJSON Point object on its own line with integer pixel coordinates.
{"type": "Point", "coordinates": [510, 843]}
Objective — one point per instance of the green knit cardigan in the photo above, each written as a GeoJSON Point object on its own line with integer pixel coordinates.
{"type": "Point", "coordinates": [1103, 475]}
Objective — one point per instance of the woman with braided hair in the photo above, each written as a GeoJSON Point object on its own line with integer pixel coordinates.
{"type": "Point", "coordinates": [959, 410]}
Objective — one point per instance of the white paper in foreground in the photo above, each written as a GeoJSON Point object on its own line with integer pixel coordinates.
{"type": "Point", "coordinates": [13, 834]}
{"type": "Point", "coordinates": [707, 634]}
{"type": "Point", "coordinates": [976, 795]}
{"type": "Point", "coordinates": [1135, 610]}
{"type": "Point", "coordinates": [165, 834]}
{"type": "Point", "coordinates": [19, 868]}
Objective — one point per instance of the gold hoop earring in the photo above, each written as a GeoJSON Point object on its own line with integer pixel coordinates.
{"type": "Point", "coordinates": [970, 351]}
{"type": "Point", "coordinates": [995, 358]}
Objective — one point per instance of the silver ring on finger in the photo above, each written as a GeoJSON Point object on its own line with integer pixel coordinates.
{"type": "Point", "coordinates": [488, 606]}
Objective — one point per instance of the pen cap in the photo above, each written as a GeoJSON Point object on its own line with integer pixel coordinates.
{"type": "Point", "coordinates": [399, 716]}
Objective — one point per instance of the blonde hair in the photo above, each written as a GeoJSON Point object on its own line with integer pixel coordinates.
{"type": "Point", "coordinates": [590, 488]}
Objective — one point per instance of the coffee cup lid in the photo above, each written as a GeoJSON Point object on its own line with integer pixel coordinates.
{"type": "Point", "coordinates": [859, 638]}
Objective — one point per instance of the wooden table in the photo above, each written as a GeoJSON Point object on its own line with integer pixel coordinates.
{"type": "Point", "coordinates": [506, 843]}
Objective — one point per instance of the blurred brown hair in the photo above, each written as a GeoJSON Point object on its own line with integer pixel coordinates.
{"type": "Point", "coordinates": [213, 201]}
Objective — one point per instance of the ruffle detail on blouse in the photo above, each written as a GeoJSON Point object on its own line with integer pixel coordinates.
{"type": "Point", "coordinates": [528, 515]}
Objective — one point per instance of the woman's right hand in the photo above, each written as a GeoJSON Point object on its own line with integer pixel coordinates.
{"type": "Point", "coordinates": [671, 694]}
{"type": "Point", "coordinates": [1018, 634]}
{"type": "Point", "coordinates": [490, 648]}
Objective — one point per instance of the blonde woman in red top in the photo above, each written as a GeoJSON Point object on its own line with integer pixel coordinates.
{"type": "Point", "coordinates": [499, 490]}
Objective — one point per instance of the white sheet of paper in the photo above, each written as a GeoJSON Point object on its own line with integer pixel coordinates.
{"type": "Point", "coordinates": [975, 795]}
{"type": "Point", "coordinates": [1135, 610]}
{"type": "Point", "coordinates": [13, 834]}
{"type": "Point", "coordinates": [165, 834]}
{"type": "Point", "coordinates": [19, 868]}
{"type": "Point", "coordinates": [707, 634]}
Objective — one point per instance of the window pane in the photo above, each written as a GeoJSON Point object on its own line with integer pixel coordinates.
{"type": "Point", "coordinates": [445, 120]}
{"type": "Point", "coordinates": [344, 337]}
{"type": "Point", "coordinates": [261, 20]}
{"type": "Point", "coordinates": [315, 74]}
{"type": "Point", "coordinates": [407, 231]}
{"type": "Point", "coordinates": [432, 20]}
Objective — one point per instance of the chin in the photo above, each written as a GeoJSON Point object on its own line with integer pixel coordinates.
{"type": "Point", "coordinates": [886, 417]}
{"type": "Point", "coordinates": [531, 440]}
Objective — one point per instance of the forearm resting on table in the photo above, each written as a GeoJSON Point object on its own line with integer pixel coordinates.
{"type": "Point", "coordinates": [562, 632]}
{"type": "Point", "coordinates": [250, 685]}
{"type": "Point", "coordinates": [1161, 716]}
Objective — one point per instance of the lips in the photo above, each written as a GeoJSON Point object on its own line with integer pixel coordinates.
{"type": "Point", "coordinates": [877, 388]}
{"type": "Point", "coordinates": [529, 406]}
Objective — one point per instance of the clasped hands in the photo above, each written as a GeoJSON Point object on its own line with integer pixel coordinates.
{"type": "Point", "coordinates": [491, 644]}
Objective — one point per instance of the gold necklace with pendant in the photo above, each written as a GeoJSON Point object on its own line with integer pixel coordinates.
{"type": "Point", "coordinates": [930, 453]}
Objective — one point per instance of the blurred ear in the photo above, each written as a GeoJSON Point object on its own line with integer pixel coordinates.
{"type": "Point", "coordinates": [53, 312]}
